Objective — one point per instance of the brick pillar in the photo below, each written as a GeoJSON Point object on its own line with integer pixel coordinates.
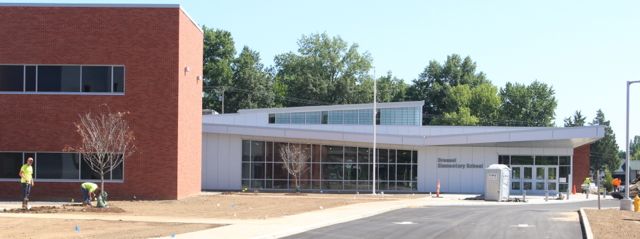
{"type": "Point", "coordinates": [581, 164]}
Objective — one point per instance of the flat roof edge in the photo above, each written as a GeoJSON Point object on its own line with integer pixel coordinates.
{"type": "Point", "coordinates": [119, 5]}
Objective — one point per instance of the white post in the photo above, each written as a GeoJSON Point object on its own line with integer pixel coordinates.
{"type": "Point", "coordinates": [625, 203]}
{"type": "Point", "coordinates": [375, 92]}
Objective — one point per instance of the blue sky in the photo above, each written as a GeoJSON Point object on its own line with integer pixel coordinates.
{"type": "Point", "coordinates": [586, 50]}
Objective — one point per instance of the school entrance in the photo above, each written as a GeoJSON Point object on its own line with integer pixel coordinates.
{"type": "Point", "coordinates": [534, 179]}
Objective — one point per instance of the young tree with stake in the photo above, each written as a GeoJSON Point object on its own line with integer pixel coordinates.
{"type": "Point", "coordinates": [295, 162]}
{"type": "Point", "coordinates": [106, 141]}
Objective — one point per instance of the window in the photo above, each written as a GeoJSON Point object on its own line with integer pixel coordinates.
{"type": "Point", "coordinates": [335, 117]}
{"type": "Point", "coordinates": [546, 160]}
{"type": "Point", "coordinates": [10, 164]}
{"type": "Point", "coordinates": [521, 160]}
{"type": "Point", "coordinates": [272, 118]}
{"type": "Point", "coordinates": [118, 79]}
{"type": "Point", "coordinates": [87, 173]}
{"type": "Point", "coordinates": [62, 78]}
{"type": "Point", "coordinates": [313, 117]}
{"type": "Point", "coordinates": [96, 79]}
{"type": "Point", "coordinates": [11, 78]}
{"type": "Point", "coordinates": [283, 118]}
{"type": "Point", "coordinates": [350, 116]}
{"type": "Point", "coordinates": [297, 118]}
{"type": "Point", "coordinates": [325, 117]}
{"type": "Point", "coordinates": [30, 79]}
{"type": "Point", "coordinates": [58, 166]}
{"type": "Point", "coordinates": [59, 78]}
{"type": "Point", "coordinates": [331, 167]}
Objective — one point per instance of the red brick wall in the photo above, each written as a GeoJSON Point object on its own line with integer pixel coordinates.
{"type": "Point", "coordinates": [146, 41]}
{"type": "Point", "coordinates": [190, 109]}
{"type": "Point", "coordinates": [581, 164]}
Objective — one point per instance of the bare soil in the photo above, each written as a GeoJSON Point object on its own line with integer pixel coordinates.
{"type": "Point", "coordinates": [245, 205]}
{"type": "Point", "coordinates": [65, 209]}
{"type": "Point", "coordinates": [60, 228]}
{"type": "Point", "coordinates": [614, 223]}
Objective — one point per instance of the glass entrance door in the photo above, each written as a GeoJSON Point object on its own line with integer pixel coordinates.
{"type": "Point", "coordinates": [534, 179]}
{"type": "Point", "coordinates": [546, 179]}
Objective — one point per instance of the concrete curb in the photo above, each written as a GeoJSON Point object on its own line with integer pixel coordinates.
{"type": "Point", "coordinates": [586, 227]}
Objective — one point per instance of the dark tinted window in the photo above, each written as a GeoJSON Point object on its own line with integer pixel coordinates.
{"type": "Point", "coordinates": [404, 156]}
{"type": "Point", "coordinates": [272, 118]}
{"type": "Point", "coordinates": [59, 78]}
{"type": "Point", "coordinates": [10, 164]}
{"type": "Point", "coordinates": [30, 78]}
{"type": "Point", "coordinates": [521, 160]}
{"type": "Point", "coordinates": [546, 160]}
{"type": "Point", "coordinates": [87, 173]}
{"type": "Point", "coordinates": [96, 79]}
{"type": "Point", "coordinates": [58, 166]}
{"type": "Point", "coordinates": [503, 159]}
{"type": "Point", "coordinates": [118, 79]}
{"type": "Point", "coordinates": [11, 78]}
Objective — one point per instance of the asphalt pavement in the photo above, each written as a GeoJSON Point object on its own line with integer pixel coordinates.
{"type": "Point", "coordinates": [516, 221]}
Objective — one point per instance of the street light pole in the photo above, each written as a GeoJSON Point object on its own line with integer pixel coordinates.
{"type": "Point", "coordinates": [625, 203]}
{"type": "Point", "coordinates": [375, 92]}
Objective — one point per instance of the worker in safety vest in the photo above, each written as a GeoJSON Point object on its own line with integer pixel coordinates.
{"type": "Point", "coordinates": [26, 181]}
{"type": "Point", "coordinates": [89, 190]}
{"type": "Point", "coordinates": [616, 184]}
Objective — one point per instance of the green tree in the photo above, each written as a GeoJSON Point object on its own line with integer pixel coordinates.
{"type": "Point", "coordinates": [325, 70]}
{"type": "Point", "coordinates": [604, 152]}
{"type": "Point", "coordinates": [576, 120]}
{"type": "Point", "coordinates": [608, 185]}
{"type": "Point", "coordinates": [527, 105]}
{"type": "Point", "coordinates": [634, 148]}
{"type": "Point", "coordinates": [252, 85]}
{"type": "Point", "coordinates": [219, 52]}
{"type": "Point", "coordinates": [476, 101]}
{"type": "Point", "coordinates": [391, 89]}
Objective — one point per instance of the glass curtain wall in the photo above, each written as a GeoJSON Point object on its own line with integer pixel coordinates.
{"type": "Point", "coordinates": [330, 168]}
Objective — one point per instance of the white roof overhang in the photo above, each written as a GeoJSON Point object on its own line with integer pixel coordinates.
{"type": "Point", "coordinates": [534, 137]}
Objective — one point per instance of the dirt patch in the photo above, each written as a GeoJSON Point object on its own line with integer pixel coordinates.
{"type": "Point", "coordinates": [66, 209]}
{"type": "Point", "coordinates": [60, 228]}
{"type": "Point", "coordinates": [245, 205]}
{"type": "Point", "coordinates": [613, 223]}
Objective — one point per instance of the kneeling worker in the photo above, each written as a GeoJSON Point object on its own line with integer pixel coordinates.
{"type": "Point", "coordinates": [89, 191]}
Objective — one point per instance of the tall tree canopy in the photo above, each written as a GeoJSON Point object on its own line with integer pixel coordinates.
{"type": "Point", "coordinates": [634, 148]}
{"type": "Point", "coordinates": [252, 85]}
{"type": "Point", "coordinates": [455, 94]}
{"type": "Point", "coordinates": [219, 52]}
{"type": "Point", "coordinates": [576, 120]}
{"type": "Point", "coordinates": [527, 105]}
{"type": "Point", "coordinates": [390, 89]}
{"type": "Point", "coordinates": [325, 70]}
{"type": "Point", "coordinates": [604, 152]}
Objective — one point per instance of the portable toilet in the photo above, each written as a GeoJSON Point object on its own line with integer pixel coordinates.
{"type": "Point", "coordinates": [496, 183]}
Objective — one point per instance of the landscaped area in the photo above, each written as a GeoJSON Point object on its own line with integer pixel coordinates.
{"type": "Point", "coordinates": [140, 219]}
{"type": "Point", "coordinates": [614, 223]}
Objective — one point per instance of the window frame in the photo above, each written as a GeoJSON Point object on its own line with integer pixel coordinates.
{"type": "Point", "coordinates": [79, 179]}
{"type": "Point", "coordinates": [36, 92]}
